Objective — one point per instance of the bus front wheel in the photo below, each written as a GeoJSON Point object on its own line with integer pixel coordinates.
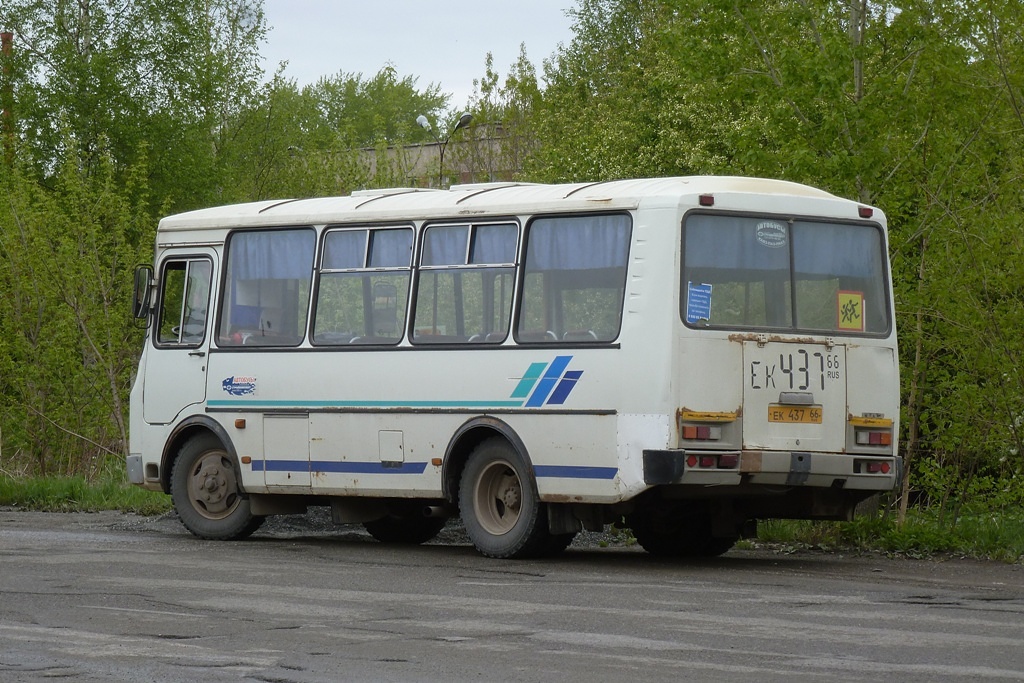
{"type": "Point", "coordinates": [500, 507]}
{"type": "Point", "coordinates": [206, 492]}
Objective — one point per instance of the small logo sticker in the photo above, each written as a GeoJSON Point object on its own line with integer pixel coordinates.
{"type": "Point", "coordinates": [239, 386]}
{"type": "Point", "coordinates": [771, 234]}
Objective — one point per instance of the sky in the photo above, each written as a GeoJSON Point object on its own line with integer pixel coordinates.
{"type": "Point", "coordinates": [438, 43]}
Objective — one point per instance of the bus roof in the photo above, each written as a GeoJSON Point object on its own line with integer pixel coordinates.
{"type": "Point", "coordinates": [481, 198]}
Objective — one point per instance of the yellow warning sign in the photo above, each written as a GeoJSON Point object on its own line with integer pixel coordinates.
{"type": "Point", "coordinates": [850, 311]}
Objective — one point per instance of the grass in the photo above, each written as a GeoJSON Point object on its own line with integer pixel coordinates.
{"type": "Point", "coordinates": [987, 535]}
{"type": "Point", "coordinates": [76, 494]}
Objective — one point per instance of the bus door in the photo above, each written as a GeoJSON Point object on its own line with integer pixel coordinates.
{"type": "Point", "coordinates": [794, 396]}
{"type": "Point", "coordinates": [180, 338]}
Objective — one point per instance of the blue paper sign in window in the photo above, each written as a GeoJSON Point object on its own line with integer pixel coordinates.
{"type": "Point", "coordinates": [698, 302]}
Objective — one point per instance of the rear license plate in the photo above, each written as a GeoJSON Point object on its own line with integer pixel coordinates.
{"type": "Point", "coordinates": [807, 415]}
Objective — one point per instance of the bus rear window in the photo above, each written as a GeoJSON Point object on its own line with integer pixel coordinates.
{"type": "Point", "coordinates": [771, 273]}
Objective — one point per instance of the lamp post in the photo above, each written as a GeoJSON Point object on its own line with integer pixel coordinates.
{"type": "Point", "coordinates": [442, 144]}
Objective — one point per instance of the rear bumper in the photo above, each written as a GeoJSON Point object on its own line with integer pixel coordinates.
{"type": "Point", "coordinates": [772, 468]}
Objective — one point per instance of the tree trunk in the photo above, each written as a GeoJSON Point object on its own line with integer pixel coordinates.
{"type": "Point", "coordinates": [916, 380]}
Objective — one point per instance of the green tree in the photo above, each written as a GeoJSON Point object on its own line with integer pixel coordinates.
{"type": "Point", "coordinates": [69, 346]}
{"type": "Point", "coordinates": [108, 78]}
{"type": "Point", "coordinates": [341, 134]}
{"type": "Point", "coordinates": [502, 138]}
{"type": "Point", "coordinates": [365, 112]}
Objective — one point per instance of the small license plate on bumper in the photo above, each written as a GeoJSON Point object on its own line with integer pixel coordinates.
{"type": "Point", "coordinates": [807, 415]}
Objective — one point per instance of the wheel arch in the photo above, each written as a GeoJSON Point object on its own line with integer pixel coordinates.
{"type": "Point", "coordinates": [467, 437]}
{"type": "Point", "coordinates": [187, 429]}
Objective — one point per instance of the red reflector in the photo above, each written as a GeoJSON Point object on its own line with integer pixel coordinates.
{"type": "Point", "coordinates": [707, 461]}
{"type": "Point", "coordinates": [865, 211]}
{"type": "Point", "coordinates": [691, 461]}
{"type": "Point", "coordinates": [874, 467]}
{"type": "Point", "coordinates": [707, 200]}
{"type": "Point", "coordinates": [885, 468]}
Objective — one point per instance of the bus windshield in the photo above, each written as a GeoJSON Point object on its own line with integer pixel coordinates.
{"type": "Point", "coordinates": [784, 274]}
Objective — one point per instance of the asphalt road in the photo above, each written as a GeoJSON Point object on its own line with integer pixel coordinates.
{"type": "Point", "coordinates": [108, 597]}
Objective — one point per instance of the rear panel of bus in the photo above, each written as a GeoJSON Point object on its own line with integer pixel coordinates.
{"type": "Point", "coordinates": [789, 379]}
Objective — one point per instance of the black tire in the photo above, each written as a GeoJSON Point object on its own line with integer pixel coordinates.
{"type": "Point", "coordinates": [500, 507]}
{"type": "Point", "coordinates": [405, 530]}
{"type": "Point", "coordinates": [677, 531]}
{"type": "Point", "coordinates": [557, 543]}
{"type": "Point", "coordinates": [206, 492]}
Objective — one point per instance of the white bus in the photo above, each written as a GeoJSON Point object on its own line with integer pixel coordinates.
{"type": "Point", "coordinates": [689, 355]}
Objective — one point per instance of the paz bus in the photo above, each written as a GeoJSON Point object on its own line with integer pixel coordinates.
{"type": "Point", "coordinates": [686, 356]}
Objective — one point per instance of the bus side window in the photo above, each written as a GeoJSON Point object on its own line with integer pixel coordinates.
{"type": "Point", "coordinates": [364, 286]}
{"type": "Point", "coordinates": [184, 301]}
{"type": "Point", "coordinates": [266, 294]}
{"type": "Point", "coordinates": [575, 279]}
{"type": "Point", "coordinates": [466, 280]}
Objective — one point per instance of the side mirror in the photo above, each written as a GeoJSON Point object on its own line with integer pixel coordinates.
{"type": "Point", "coordinates": [143, 292]}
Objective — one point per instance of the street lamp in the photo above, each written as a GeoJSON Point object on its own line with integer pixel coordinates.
{"type": "Point", "coordinates": [461, 123]}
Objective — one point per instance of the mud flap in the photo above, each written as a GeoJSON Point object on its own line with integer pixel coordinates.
{"type": "Point", "coordinates": [799, 468]}
{"type": "Point", "coordinates": [663, 467]}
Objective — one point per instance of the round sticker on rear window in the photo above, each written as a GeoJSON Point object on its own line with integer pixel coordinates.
{"type": "Point", "coordinates": [771, 234]}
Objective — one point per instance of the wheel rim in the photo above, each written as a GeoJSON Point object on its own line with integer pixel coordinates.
{"type": "Point", "coordinates": [212, 486]}
{"type": "Point", "coordinates": [498, 498]}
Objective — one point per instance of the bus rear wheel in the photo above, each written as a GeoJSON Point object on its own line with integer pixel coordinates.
{"type": "Point", "coordinates": [405, 529]}
{"type": "Point", "coordinates": [678, 531]}
{"type": "Point", "coordinates": [500, 506]}
{"type": "Point", "coordinates": [206, 492]}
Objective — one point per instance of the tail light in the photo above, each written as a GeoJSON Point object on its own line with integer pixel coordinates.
{"type": "Point", "coordinates": [713, 461]}
{"type": "Point", "coordinates": [871, 431]}
{"type": "Point", "coordinates": [701, 433]}
{"type": "Point", "coordinates": [866, 437]}
{"type": "Point", "coordinates": [703, 426]}
{"type": "Point", "coordinates": [872, 466]}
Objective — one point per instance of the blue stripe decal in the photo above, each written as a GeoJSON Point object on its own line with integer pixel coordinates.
{"type": "Point", "coordinates": [570, 472]}
{"type": "Point", "coordinates": [547, 383]}
{"type": "Point", "coordinates": [338, 467]}
{"type": "Point", "coordinates": [564, 387]}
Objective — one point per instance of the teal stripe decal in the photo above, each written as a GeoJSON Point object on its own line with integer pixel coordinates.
{"type": "Point", "coordinates": [256, 403]}
{"type": "Point", "coordinates": [534, 372]}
